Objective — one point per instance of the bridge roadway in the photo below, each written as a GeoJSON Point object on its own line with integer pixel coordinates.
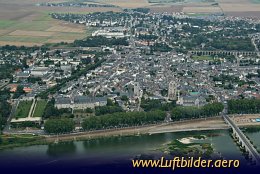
{"type": "Point", "coordinates": [242, 138]}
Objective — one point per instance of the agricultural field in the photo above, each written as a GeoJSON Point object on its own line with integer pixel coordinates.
{"type": "Point", "coordinates": [39, 109]}
{"type": "Point", "coordinates": [23, 109]}
{"type": "Point", "coordinates": [242, 8]}
{"type": "Point", "coordinates": [166, 8]}
{"type": "Point", "coordinates": [42, 29]}
{"type": "Point", "coordinates": [124, 3]}
{"type": "Point", "coordinates": [210, 9]}
{"type": "Point", "coordinates": [180, 1]}
{"type": "Point", "coordinates": [32, 25]}
{"type": "Point", "coordinates": [27, 23]}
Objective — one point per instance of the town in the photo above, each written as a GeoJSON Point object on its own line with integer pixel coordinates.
{"type": "Point", "coordinates": [136, 63]}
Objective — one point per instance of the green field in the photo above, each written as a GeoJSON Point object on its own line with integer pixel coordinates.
{"type": "Point", "coordinates": [23, 109]}
{"type": "Point", "coordinates": [39, 110]}
{"type": "Point", "coordinates": [6, 24]}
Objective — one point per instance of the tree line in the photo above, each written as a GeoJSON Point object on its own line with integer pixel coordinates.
{"type": "Point", "coordinates": [161, 47]}
{"type": "Point", "coordinates": [151, 104]}
{"type": "Point", "coordinates": [59, 126]}
{"type": "Point", "coordinates": [102, 110]}
{"type": "Point", "coordinates": [244, 106]}
{"type": "Point", "coordinates": [5, 107]}
{"type": "Point", "coordinates": [189, 112]}
{"type": "Point", "coordinates": [122, 120]}
{"type": "Point", "coordinates": [97, 41]}
{"type": "Point", "coordinates": [7, 69]}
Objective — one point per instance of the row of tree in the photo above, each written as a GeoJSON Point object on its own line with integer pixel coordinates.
{"type": "Point", "coordinates": [244, 44]}
{"type": "Point", "coordinates": [59, 126]}
{"type": "Point", "coordinates": [97, 41]}
{"type": "Point", "coordinates": [123, 119]}
{"type": "Point", "coordinates": [151, 104]}
{"type": "Point", "coordinates": [25, 124]}
{"type": "Point", "coordinates": [161, 47]}
{"type": "Point", "coordinates": [6, 70]}
{"type": "Point", "coordinates": [19, 91]}
{"type": "Point", "coordinates": [5, 107]}
{"type": "Point", "coordinates": [190, 112]}
{"type": "Point", "coordinates": [102, 110]}
{"type": "Point", "coordinates": [244, 106]}
{"type": "Point", "coordinates": [21, 48]}
{"type": "Point", "coordinates": [147, 37]}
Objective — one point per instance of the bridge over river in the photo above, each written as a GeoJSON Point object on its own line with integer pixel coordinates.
{"type": "Point", "coordinates": [253, 154]}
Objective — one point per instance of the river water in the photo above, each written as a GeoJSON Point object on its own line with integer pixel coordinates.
{"type": "Point", "coordinates": [116, 149]}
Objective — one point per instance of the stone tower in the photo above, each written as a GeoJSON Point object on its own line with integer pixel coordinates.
{"type": "Point", "coordinates": [137, 89]}
{"type": "Point", "coordinates": [172, 90]}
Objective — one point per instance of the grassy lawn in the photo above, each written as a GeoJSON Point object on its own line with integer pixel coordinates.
{"type": "Point", "coordinates": [40, 106]}
{"type": "Point", "coordinates": [201, 58]}
{"type": "Point", "coordinates": [23, 109]}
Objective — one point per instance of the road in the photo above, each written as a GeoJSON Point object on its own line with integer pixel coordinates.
{"type": "Point", "coordinates": [12, 113]}
{"type": "Point", "coordinates": [255, 45]}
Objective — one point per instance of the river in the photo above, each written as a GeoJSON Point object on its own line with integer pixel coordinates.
{"type": "Point", "coordinates": [116, 149]}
